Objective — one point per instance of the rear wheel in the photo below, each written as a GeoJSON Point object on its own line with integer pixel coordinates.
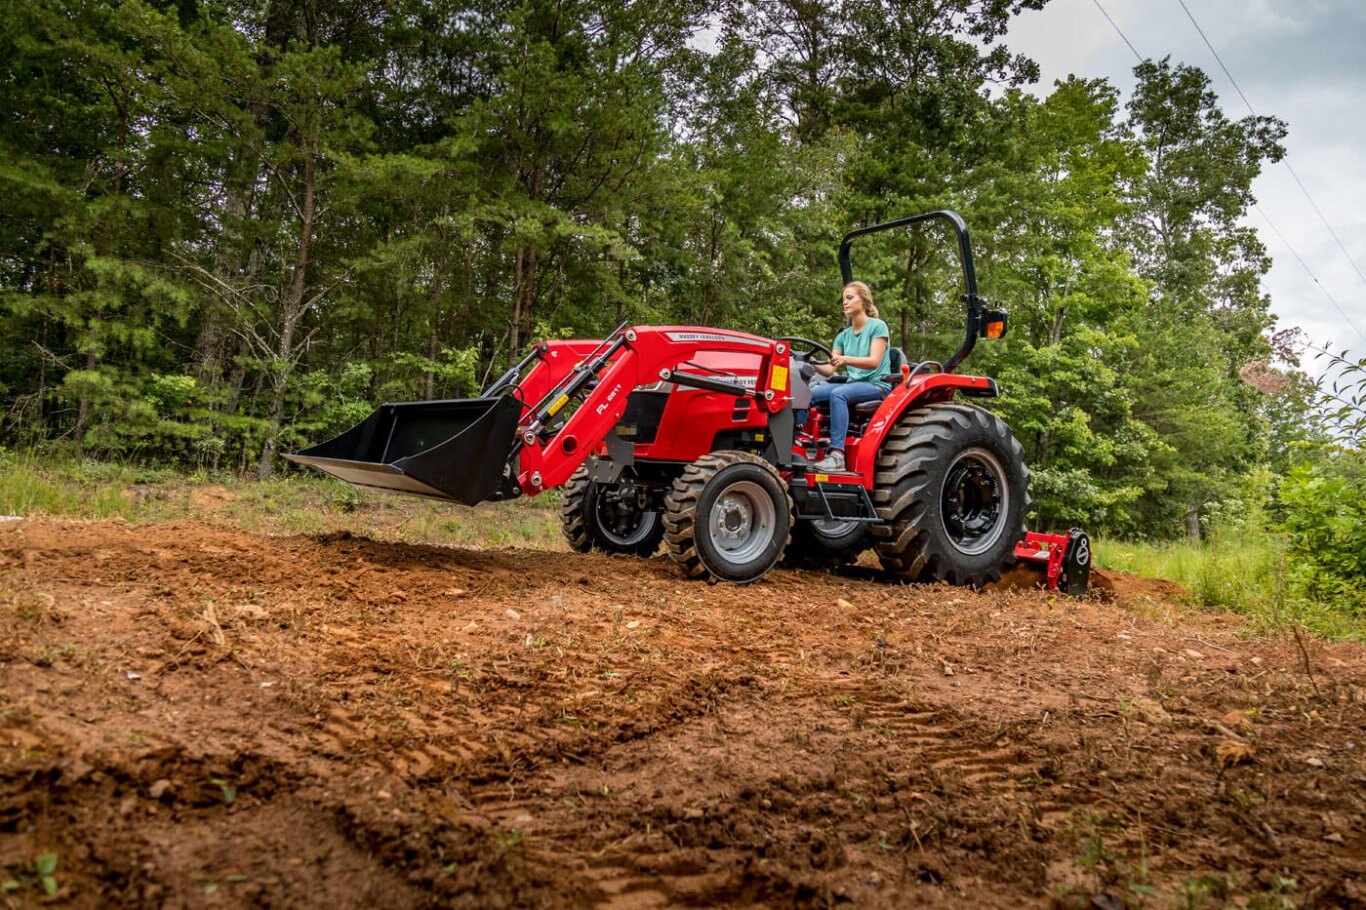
{"type": "Point", "coordinates": [728, 516]}
{"type": "Point", "coordinates": [609, 518]}
{"type": "Point", "coordinates": [951, 490]}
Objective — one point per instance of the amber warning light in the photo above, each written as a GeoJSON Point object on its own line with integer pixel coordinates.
{"type": "Point", "coordinates": [994, 324]}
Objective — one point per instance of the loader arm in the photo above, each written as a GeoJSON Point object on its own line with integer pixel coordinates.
{"type": "Point", "coordinates": [598, 377]}
{"type": "Point", "coordinates": [530, 433]}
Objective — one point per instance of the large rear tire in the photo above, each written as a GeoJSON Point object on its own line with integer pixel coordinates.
{"type": "Point", "coordinates": [952, 492]}
{"type": "Point", "coordinates": [607, 518]}
{"type": "Point", "coordinates": [728, 517]}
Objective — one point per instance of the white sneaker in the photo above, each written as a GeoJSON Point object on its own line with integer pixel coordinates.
{"type": "Point", "coordinates": [830, 464]}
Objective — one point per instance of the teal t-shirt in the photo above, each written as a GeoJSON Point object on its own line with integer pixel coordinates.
{"type": "Point", "coordinates": [860, 344]}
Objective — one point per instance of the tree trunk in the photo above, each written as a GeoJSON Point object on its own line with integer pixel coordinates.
{"type": "Point", "coordinates": [106, 246]}
{"type": "Point", "coordinates": [430, 385]}
{"type": "Point", "coordinates": [83, 409]}
{"type": "Point", "coordinates": [40, 417]}
{"type": "Point", "coordinates": [530, 263]}
{"type": "Point", "coordinates": [1055, 330]}
{"type": "Point", "coordinates": [211, 346]}
{"type": "Point", "coordinates": [621, 284]}
{"type": "Point", "coordinates": [291, 310]}
{"type": "Point", "coordinates": [524, 295]}
{"type": "Point", "coordinates": [515, 324]}
{"type": "Point", "coordinates": [237, 379]}
{"type": "Point", "coordinates": [433, 337]}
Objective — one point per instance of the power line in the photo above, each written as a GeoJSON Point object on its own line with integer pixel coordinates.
{"type": "Point", "coordinates": [1117, 30]}
{"type": "Point", "coordinates": [1265, 216]}
{"type": "Point", "coordinates": [1308, 271]}
{"type": "Point", "coordinates": [1298, 182]}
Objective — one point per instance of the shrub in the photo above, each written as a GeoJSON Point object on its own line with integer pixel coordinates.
{"type": "Point", "coordinates": [1325, 520]}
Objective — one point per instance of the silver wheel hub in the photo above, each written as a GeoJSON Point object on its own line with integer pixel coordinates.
{"type": "Point", "coordinates": [743, 521]}
{"type": "Point", "coordinates": [733, 518]}
{"type": "Point", "coordinates": [835, 528]}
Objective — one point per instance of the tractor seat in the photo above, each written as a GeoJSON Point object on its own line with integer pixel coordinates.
{"type": "Point", "coordinates": [868, 408]}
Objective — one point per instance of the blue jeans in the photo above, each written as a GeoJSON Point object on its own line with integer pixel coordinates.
{"type": "Point", "coordinates": [839, 397]}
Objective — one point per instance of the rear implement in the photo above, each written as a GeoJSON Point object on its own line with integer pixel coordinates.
{"type": "Point", "coordinates": [1061, 561]}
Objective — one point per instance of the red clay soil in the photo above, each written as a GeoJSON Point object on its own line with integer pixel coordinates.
{"type": "Point", "coordinates": [192, 716]}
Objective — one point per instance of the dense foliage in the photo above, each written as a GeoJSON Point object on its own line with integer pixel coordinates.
{"type": "Point", "coordinates": [230, 226]}
{"type": "Point", "coordinates": [1324, 500]}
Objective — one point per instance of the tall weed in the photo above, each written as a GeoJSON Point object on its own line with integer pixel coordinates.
{"type": "Point", "coordinates": [1248, 572]}
{"type": "Point", "coordinates": [1325, 522]}
{"type": "Point", "coordinates": [27, 488]}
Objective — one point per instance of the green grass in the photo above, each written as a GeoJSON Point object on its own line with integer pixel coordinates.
{"type": "Point", "coordinates": [28, 489]}
{"type": "Point", "coordinates": [313, 504]}
{"type": "Point", "coordinates": [1246, 573]}
{"type": "Point", "coordinates": [290, 503]}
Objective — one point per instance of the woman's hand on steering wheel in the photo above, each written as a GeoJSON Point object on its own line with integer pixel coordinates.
{"type": "Point", "coordinates": [808, 350]}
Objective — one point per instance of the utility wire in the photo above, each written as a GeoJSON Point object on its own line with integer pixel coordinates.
{"type": "Point", "coordinates": [1253, 110]}
{"type": "Point", "coordinates": [1267, 218]}
{"type": "Point", "coordinates": [1117, 30]}
{"type": "Point", "coordinates": [1312, 277]}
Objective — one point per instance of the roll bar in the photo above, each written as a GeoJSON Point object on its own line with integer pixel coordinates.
{"type": "Point", "coordinates": [977, 311]}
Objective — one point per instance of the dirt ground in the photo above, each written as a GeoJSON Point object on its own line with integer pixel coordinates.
{"type": "Point", "coordinates": [193, 716]}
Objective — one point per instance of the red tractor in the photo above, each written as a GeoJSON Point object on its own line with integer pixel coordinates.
{"type": "Point", "coordinates": [687, 435]}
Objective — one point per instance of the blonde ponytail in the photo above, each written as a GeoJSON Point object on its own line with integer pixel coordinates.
{"type": "Point", "coordinates": [865, 294]}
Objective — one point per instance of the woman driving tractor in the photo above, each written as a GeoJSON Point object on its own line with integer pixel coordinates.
{"type": "Point", "coordinates": [863, 349]}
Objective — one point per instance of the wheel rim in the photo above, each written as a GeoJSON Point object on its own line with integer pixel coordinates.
{"type": "Point", "coordinates": [742, 522]}
{"type": "Point", "coordinates": [974, 502]}
{"type": "Point", "coordinates": [621, 521]}
{"type": "Point", "coordinates": [835, 528]}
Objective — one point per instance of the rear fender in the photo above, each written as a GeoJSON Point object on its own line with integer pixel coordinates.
{"type": "Point", "coordinates": [915, 392]}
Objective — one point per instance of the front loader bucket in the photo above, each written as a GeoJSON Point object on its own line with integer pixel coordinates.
{"type": "Point", "coordinates": [451, 450]}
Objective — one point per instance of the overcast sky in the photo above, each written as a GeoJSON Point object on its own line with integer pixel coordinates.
{"type": "Point", "coordinates": [1303, 61]}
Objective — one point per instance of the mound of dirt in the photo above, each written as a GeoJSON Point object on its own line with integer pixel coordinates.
{"type": "Point", "coordinates": [210, 498]}
{"type": "Point", "coordinates": [1133, 587]}
{"type": "Point", "coordinates": [1104, 584]}
{"type": "Point", "coordinates": [198, 717]}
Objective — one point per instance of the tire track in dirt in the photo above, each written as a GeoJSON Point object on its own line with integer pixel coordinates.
{"type": "Point", "coordinates": [937, 736]}
{"type": "Point", "coordinates": [644, 868]}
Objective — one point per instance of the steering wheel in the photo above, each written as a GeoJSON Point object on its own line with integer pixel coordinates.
{"type": "Point", "coordinates": [811, 348]}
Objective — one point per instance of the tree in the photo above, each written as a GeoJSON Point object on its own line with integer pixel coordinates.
{"type": "Point", "coordinates": [1204, 266]}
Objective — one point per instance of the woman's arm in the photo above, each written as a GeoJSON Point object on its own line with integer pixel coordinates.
{"type": "Point", "coordinates": [828, 369]}
{"type": "Point", "coordinates": [876, 350]}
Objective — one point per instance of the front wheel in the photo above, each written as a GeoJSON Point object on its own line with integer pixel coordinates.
{"type": "Point", "coordinates": [952, 494]}
{"type": "Point", "coordinates": [728, 516]}
{"type": "Point", "coordinates": [608, 518]}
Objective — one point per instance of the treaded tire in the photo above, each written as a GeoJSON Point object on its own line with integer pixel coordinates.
{"type": "Point", "coordinates": [812, 548]}
{"type": "Point", "coordinates": [584, 530]}
{"type": "Point", "coordinates": [693, 507]}
{"type": "Point", "coordinates": [922, 455]}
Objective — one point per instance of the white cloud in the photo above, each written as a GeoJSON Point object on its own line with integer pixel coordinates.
{"type": "Point", "coordinates": [1300, 60]}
